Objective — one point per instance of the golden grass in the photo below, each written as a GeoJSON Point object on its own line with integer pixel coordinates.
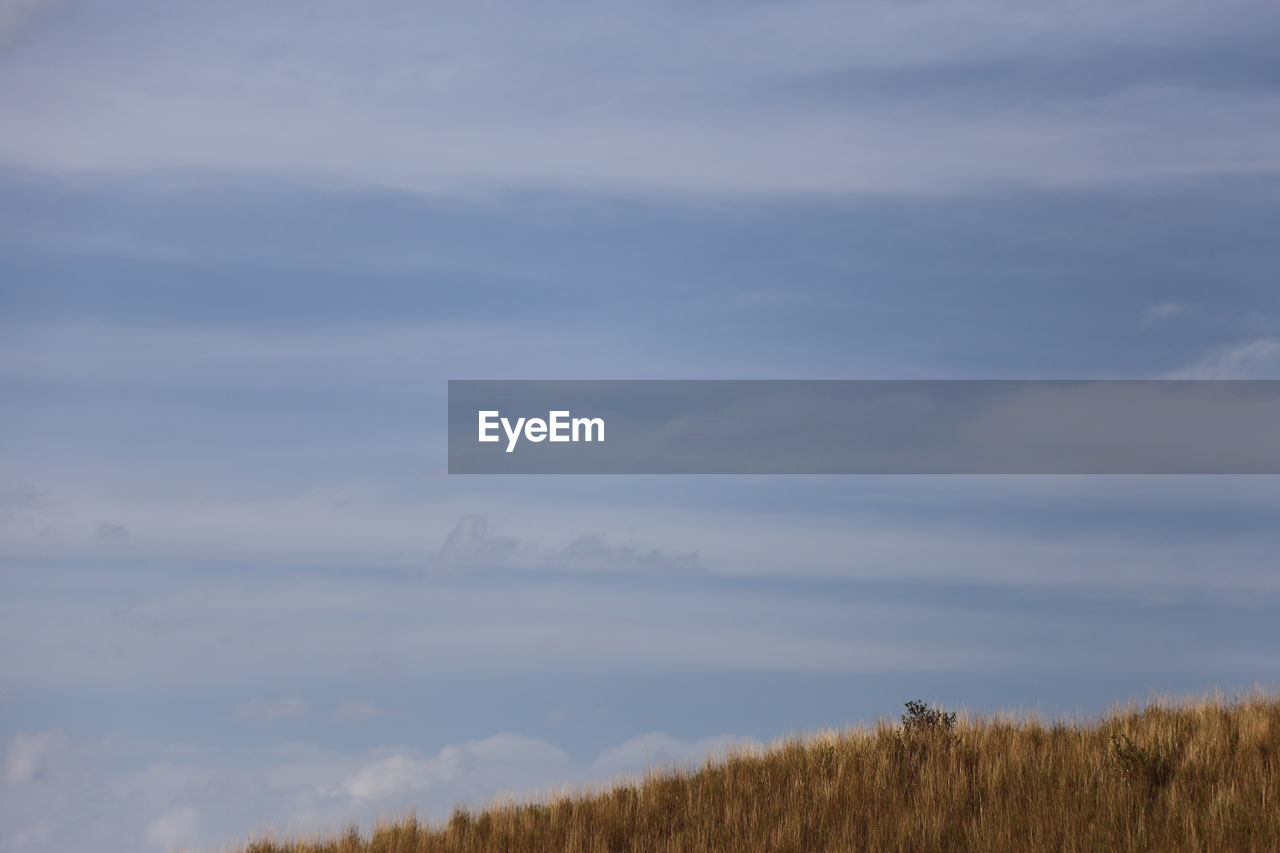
{"type": "Point", "coordinates": [1167, 777]}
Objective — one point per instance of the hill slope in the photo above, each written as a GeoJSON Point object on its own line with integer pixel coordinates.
{"type": "Point", "coordinates": [1204, 776]}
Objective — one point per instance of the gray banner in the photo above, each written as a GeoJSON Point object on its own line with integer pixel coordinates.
{"type": "Point", "coordinates": [864, 427]}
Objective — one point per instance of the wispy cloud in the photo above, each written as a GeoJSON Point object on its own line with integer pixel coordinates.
{"type": "Point", "coordinates": [472, 544]}
{"type": "Point", "coordinates": [1155, 315]}
{"type": "Point", "coordinates": [356, 710]}
{"type": "Point", "coordinates": [821, 97]}
{"type": "Point", "coordinates": [1256, 359]}
{"type": "Point", "coordinates": [658, 750]}
{"type": "Point", "coordinates": [26, 757]}
{"type": "Point", "coordinates": [270, 711]}
{"type": "Point", "coordinates": [521, 760]}
{"type": "Point", "coordinates": [593, 552]}
{"type": "Point", "coordinates": [178, 826]}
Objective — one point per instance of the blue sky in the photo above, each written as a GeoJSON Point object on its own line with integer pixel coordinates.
{"type": "Point", "coordinates": [242, 248]}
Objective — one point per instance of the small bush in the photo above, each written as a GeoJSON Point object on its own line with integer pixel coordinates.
{"type": "Point", "coordinates": [921, 719]}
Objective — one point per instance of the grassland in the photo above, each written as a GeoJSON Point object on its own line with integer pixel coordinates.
{"type": "Point", "coordinates": [1165, 777]}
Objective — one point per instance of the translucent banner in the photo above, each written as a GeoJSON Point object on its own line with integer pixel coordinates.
{"type": "Point", "coordinates": [864, 427]}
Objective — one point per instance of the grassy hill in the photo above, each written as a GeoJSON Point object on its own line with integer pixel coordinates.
{"type": "Point", "coordinates": [1201, 776]}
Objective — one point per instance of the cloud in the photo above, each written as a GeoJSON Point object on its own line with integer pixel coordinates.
{"type": "Point", "coordinates": [393, 774]}
{"type": "Point", "coordinates": [22, 496]}
{"type": "Point", "coordinates": [472, 544]}
{"type": "Point", "coordinates": [353, 710]}
{"type": "Point", "coordinates": [112, 531]}
{"type": "Point", "coordinates": [28, 755]}
{"type": "Point", "coordinates": [267, 712]}
{"type": "Point", "coordinates": [503, 761]}
{"type": "Point", "coordinates": [661, 751]}
{"type": "Point", "coordinates": [524, 767]}
{"type": "Point", "coordinates": [1155, 315]}
{"type": "Point", "coordinates": [592, 552]}
{"type": "Point", "coordinates": [817, 97]}
{"type": "Point", "coordinates": [1256, 359]}
{"type": "Point", "coordinates": [176, 826]}
{"type": "Point", "coordinates": [24, 507]}
{"type": "Point", "coordinates": [781, 589]}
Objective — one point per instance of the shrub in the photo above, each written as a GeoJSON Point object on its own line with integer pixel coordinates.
{"type": "Point", "coordinates": [921, 719]}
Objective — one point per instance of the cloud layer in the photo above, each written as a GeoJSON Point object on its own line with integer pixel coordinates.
{"type": "Point", "coordinates": [817, 97]}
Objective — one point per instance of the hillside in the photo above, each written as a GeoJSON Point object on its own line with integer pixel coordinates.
{"type": "Point", "coordinates": [1200, 776]}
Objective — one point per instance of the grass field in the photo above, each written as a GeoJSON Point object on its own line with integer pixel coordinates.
{"type": "Point", "coordinates": [1191, 776]}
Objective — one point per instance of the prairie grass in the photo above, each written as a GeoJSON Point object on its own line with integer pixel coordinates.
{"type": "Point", "coordinates": [1201, 775]}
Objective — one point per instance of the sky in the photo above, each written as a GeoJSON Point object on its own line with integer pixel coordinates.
{"type": "Point", "coordinates": [243, 246]}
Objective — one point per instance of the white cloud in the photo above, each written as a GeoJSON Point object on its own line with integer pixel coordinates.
{"type": "Point", "coordinates": [394, 774]}
{"type": "Point", "coordinates": [1257, 359]}
{"type": "Point", "coordinates": [267, 712]}
{"type": "Point", "coordinates": [502, 761]}
{"type": "Point", "coordinates": [661, 751]}
{"type": "Point", "coordinates": [28, 753]}
{"type": "Point", "coordinates": [176, 826]}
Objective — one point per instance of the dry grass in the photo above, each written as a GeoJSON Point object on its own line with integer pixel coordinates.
{"type": "Point", "coordinates": [1196, 776]}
